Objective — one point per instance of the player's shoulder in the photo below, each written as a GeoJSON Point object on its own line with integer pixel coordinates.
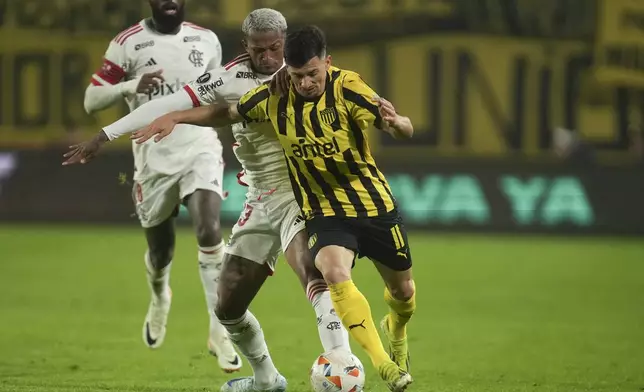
{"type": "Point", "coordinates": [345, 76]}
{"type": "Point", "coordinates": [351, 81]}
{"type": "Point", "coordinates": [238, 68]}
{"type": "Point", "coordinates": [257, 94]}
{"type": "Point", "coordinates": [126, 35]}
{"type": "Point", "coordinates": [192, 28]}
{"type": "Point", "coordinates": [239, 63]}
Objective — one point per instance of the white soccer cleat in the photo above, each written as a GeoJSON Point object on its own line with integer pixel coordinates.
{"type": "Point", "coordinates": [247, 384]}
{"type": "Point", "coordinates": [222, 348]}
{"type": "Point", "coordinates": [156, 319]}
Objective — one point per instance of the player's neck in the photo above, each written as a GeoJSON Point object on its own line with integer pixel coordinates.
{"type": "Point", "coordinates": [161, 28]}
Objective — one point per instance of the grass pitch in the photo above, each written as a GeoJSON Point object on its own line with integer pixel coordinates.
{"type": "Point", "coordinates": [494, 314]}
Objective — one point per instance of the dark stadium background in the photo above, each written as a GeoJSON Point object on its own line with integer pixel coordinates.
{"type": "Point", "coordinates": [528, 252]}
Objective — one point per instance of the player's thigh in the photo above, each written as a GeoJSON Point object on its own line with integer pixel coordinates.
{"type": "Point", "coordinates": [253, 237]}
{"type": "Point", "coordinates": [384, 240]}
{"type": "Point", "coordinates": [156, 199]}
{"type": "Point", "coordinates": [239, 283]}
{"type": "Point", "coordinates": [286, 218]}
{"type": "Point", "coordinates": [204, 206]}
{"type": "Point", "coordinates": [205, 173]}
{"type": "Point", "coordinates": [333, 244]}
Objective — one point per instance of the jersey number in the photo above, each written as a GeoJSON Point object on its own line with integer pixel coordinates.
{"type": "Point", "coordinates": [245, 215]}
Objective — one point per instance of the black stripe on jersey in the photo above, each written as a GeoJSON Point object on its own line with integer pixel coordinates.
{"type": "Point", "coordinates": [359, 137]}
{"type": "Point", "coordinates": [315, 122]}
{"type": "Point", "coordinates": [296, 188]}
{"type": "Point", "coordinates": [253, 101]}
{"type": "Point", "coordinates": [361, 101]}
{"type": "Point", "coordinates": [282, 115]}
{"type": "Point", "coordinates": [355, 168]}
{"type": "Point", "coordinates": [330, 98]}
{"type": "Point", "coordinates": [313, 200]}
{"type": "Point", "coordinates": [298, 107]}
{"type": "Point", "coordinates": [327, 190]}
{"type": "Point", "coordinates": [343, 181]}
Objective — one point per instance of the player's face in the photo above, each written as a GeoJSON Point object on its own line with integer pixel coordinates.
{"type": "Point", "coordinates": [168, 13]}
{"type": "Point", "coordinates": [266, 51]}
{"type": "Point", "coordinates": [310, 80]}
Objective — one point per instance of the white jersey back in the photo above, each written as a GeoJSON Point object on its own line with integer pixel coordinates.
{"type": "Point", "coordinates": [256, 147]}
{"type": "Point", "coordinates": [182, 57]}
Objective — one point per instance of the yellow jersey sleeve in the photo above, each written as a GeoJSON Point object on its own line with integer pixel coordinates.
{"type": "Point", "coordinates": [253, 105]}
{"type": "Point", "coordinates": [359, 98]}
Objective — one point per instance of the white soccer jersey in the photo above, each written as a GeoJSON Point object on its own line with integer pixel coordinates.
{"type": "Point", "coordinates": [182, 57]}
{"type": "Point", "coordinates": [256, 147]}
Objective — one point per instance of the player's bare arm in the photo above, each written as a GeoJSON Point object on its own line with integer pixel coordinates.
{"type": "Point", "coordinates": [399, 127]}
{"type": "Point", "coordinates": [217, 115]}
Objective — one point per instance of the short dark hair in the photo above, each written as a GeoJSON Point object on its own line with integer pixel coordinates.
{"type": "Point", "coordinates": [304, 44]}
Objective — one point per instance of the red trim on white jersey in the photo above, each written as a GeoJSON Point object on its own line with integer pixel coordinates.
{"type": "Point", "coordinates": [126, 36]}
{"type": "Point", "coordinates": [193, 96]}
{"type": "Point", "coordinates": [239, 59]}
{"type": "Point", "coordinates": [110, 72]}
{"type": "Point", "coordinates": [239, 178]}
{"type": "Point", "coordinates": [194, 26]}
{"type": "Point", "coordinates": [95, 82]}
{"type": "Point", "coordinates": [120, 35]}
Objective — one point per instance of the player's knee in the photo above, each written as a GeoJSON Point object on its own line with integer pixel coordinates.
{"type": "Point", "coordinates": [161, 256]}
{"type": "Point", "coordinates": [334, 262]}
{"type": "Point", "coordinates": [208, 232]}
{"type": "Point", "coordinates": [333, 271]}
{"type": "Point", "coordinates": [307, 269]}
{"type": "Point", "coordinates": [403, 290]}
{"type": "Point", "coordinates": [230, 281]}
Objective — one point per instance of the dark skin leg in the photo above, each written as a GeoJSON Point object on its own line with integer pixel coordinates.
{"type": "Point", "coordinates": [299, 258]}
{"type": "Point", "coordinates": [241, 278]}
{"type": "Point", "coordinates": [161, 243]}
{"type": "Point", "coordinates": [239, 283]}
{"type": "Point", "coordinates": [204, 207]}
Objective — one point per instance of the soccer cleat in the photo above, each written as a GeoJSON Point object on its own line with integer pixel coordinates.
{"type": "Point", "coordinates": [397, 379]}
{"type": "Point", "coordinates": [229, 360]}
{"type": "Point", "coordinates": [220, 346]}
{"type": "Point", "coordinates": [398, 349]}
{"type": "Point", "coordinates": [247, 384]}
{"type": "Point", "coordinates": [156, 319]}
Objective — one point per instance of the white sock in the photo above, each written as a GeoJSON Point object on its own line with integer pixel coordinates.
{"type": "Point", "coordinates": [210, 261]}
{"type": "Point", "coordinates": [332, 333]}
{"type": "Point", "coordinates": [158, 280]}
{"type": "Point", "coordinates": [247, 334]}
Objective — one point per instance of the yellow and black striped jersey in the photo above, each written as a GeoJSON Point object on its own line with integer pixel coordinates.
{"type": "Point", "coordinates": [325, 143]}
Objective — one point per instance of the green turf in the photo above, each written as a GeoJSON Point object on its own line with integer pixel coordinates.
{"type": "Point", "coordinates": [494, 314]}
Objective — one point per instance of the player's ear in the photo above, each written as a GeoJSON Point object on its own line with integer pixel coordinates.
{"type": "Point", "coordinates": [244, 43]}
{"type": "Point", "coordinates": [327, 62]}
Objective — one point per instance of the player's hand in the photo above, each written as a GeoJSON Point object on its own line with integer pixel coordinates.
{"type": "Point", "coordinates": [280, 83]}
{"type": "Point", "coordinates": [387, 111]}
{"type": "Point", "coordinates": [86, 151]}
{"type": "Point", "coordinates": [399, 127]}
{"type": "Point", "coordinates": [161, 127]}
{"type": "Point", "coordinates": [149, 82]}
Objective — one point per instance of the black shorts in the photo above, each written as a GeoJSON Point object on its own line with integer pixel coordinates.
{"type": "Point", "coordinates": [382, 239]}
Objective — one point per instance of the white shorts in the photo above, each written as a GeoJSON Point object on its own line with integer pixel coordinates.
{"type": "Point", "coordinates": [267, 225]}
{"type": "Point", "coordinates": [158, 196]}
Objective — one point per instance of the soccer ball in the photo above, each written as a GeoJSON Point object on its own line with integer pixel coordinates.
{"type": "Point", "coordinates": [337, 371]}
